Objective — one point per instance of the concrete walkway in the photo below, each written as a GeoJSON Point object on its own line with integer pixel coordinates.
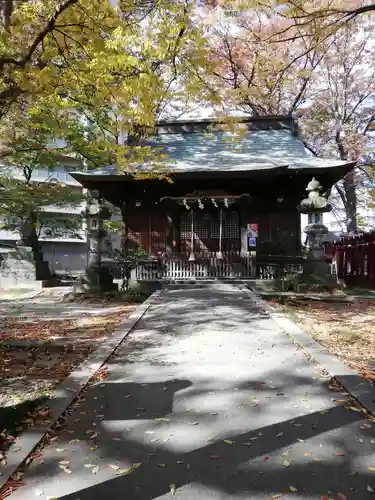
{"type": "Point", "coordinates": [208, 400]}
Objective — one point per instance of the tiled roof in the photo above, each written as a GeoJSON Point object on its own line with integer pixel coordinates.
{"type": "Point", "coordinates": [262, 145]}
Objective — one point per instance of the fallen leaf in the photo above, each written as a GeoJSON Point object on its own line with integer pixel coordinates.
{"type": "Point", "coordinates": [370, 489]}
{"type": "Point", "coordinates": [228, 441]}
{"type": "Point", "coordinates": [339, 454]}
{"type": "Point", "coordinates": [353, 408]}
{"type": "Point", "coordinates": [95, 470]}
{"type": "Point", "coordinates": [89, 466]}
{"type": "Point", "coordinates": [214, 456]}
{"type": "Point", "coordinates": [93, 448]}
{"type": "Point", "coordinates": [307, 454]}
{"type": "Point", "coordinates": [279, 435]}
{"type": "Point", "coordinates": [342, 496]}
{"type": "Point", "coordinates": [113, 466]}
{"type": "Point", "coordinates": [293, 488]}
{"type": "Point", "coordinates": [65, 469]}
{"type": "Point", "coordinates": [60, 450]}
{"type": "Point", "coordinates": [278, 495]}
{"type": "Point", "coordinates": [74, 441]}
{"type": "Point", "coordinates": [129, 470]}
{"type": "Point", "coordinates": [124, 471]}
{"type": "Point", "coordinates": [64, 462]}
{"type": "Point", "coordinates": [172, 489]}
{"type": "Point", "coordinates": [95, 435]}
{"type": "Point", "coordinates": [162, 465]}
{"type": "Point", "coordinates": [286, 463]}
{"type": "Point", "coordinates": [371, 468]}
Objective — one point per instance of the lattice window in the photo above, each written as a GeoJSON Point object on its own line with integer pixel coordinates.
{"type": "Point", "coordinates": [185, 226]}
{"type": "Point", "coordinates": [207, 226]}
{"type": "Point", "coordinates": [231, 225]}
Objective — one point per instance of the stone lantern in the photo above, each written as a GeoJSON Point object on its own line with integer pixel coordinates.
{"type": "Point", "coordinates": [317, 271]}
{"type": "Point", "coordinates": [97, 278]}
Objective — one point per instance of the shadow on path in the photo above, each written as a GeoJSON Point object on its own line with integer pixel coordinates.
{"type": "Point", "coordinates": [209, 395]}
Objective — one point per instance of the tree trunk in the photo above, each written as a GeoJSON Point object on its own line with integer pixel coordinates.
{"type": "Point", "coordinates": [348, 192]}
{"type": "Point", "coordinates": [29, 237]}
{"type": "Point", "coordinates": [349, 186]}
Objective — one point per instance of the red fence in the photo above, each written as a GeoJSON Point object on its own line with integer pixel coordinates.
{"type": "Point", "coordinates": [355, 259]}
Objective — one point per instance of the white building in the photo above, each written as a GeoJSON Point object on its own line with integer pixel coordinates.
{"type": "Point", "coordinates": [64, 249]}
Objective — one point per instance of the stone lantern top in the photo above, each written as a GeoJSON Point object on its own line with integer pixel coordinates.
{"type": "Point", "coordinates": [315, 202]}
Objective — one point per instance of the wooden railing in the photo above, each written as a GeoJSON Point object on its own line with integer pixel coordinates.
{"type": "Point", "coordinates": [354, 260]}
{"type": "Point", "coordinates": [210, 266]}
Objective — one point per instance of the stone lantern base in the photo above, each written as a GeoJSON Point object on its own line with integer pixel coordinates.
{"type": "Point", "coordinates": [95, 281]}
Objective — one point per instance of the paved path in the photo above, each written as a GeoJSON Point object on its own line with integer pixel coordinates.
{"type": "Point", "coordinates": [207, 394]}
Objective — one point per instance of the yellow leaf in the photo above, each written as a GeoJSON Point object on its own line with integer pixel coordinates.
{"type": "Point", "coordinates": [124, 471]}
{"type": "Point", "coordinates": [293, 488]}
{"type": "Point", "coordinates": [228, 441]}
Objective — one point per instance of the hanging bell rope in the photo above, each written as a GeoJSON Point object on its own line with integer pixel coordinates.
{"type": "Point", "coordinates": [220, 253]}
{"type": "Point", "coordinates": [192, 254]}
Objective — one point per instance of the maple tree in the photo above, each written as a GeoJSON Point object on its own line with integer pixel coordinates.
{"type": "Point", "coordinates": [97, 72]}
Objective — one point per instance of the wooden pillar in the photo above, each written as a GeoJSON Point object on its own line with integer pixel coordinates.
{"type": "Point", "coordinates": [244, 215]}
{"type": "Point", "coordinates": [169, 234]}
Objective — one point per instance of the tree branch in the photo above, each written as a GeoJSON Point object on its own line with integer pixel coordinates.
{"type": "Point", "coordinates": [48, 28]}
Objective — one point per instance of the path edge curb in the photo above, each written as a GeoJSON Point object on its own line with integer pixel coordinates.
{"type": "Point", "coordinates": [361, 390]}
{"type": "Point", "coordinates": [68, 390]}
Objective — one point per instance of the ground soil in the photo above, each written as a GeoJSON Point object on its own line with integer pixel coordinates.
{"type": "Point", "coordinates": [37, 354]}
{"type": "Point", "coordinates": [346, 329]}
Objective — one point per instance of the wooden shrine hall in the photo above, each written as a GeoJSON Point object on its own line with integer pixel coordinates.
{"type": "Point", "coordinates": [229, 206]}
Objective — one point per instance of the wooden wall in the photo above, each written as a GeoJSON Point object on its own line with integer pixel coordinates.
{"type": "Point", "coordinates": [163, 231]}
